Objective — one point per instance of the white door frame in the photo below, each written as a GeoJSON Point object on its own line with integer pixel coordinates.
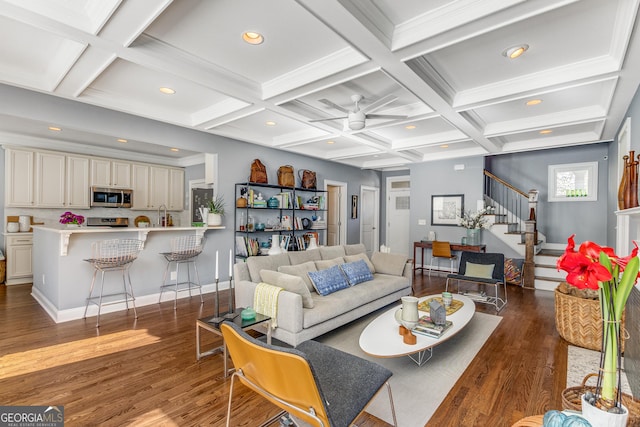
{"type": "Point", "coordinates": [376, 215]}
{"type": "Point", "coordinates": [391, 179]}
{"type": "Point", "coordinates": [343, 207]}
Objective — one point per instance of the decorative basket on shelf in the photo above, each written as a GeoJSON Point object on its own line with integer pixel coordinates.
{"type": "Point", "coordinates": [578, 321]}
{"type": "Point", "coordinates": [571, 400]}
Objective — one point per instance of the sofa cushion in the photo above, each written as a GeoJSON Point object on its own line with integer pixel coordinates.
{"type": "Point", "coordinates": [356, 272]}
{"type": "Point", "coordinates": [483, 271]}
{"type": "Point", "coordinates": [345, 300]}
{"type": "Point", "coordinates": [289, 283]}
{"type": "Point", "coordinates": [358, 248]}
{"type": "Point", "coordinates": [362, 256]}
{"type": "Point", "coordinates": [298, 257]}
{"type": "Point", "coordinates": [301, 271]}
{"type": "Point", "coordinates": [328, 280]}
{"type": "Point", "coordinates": [327, 263]}
{"type": "Point", "coordinates": [388, 263]}
{"type": "Point", "coordinates": [271, 262]}
{"type": "Point", "coordinates": [331, 252]}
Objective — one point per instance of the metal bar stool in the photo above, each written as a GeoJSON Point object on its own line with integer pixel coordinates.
{"type": "Point", "coordinates": [184, 250]}
{"type": "Point", "coordinates": [112, 255]}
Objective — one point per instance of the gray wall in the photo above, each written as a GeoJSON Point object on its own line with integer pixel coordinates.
{"type": "Point", "coordinates": [558, 220]}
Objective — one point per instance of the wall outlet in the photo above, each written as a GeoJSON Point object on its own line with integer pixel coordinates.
{"type": "Point", "coordinates": [174, 275]}
{"type": "Point", "coordinates": [422, 222]}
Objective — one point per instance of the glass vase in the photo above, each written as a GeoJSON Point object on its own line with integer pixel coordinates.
{"type": "Point", "coordinates": [473, 236]}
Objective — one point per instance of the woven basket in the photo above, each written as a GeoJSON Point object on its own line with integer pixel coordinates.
{"type": "Point", "coordinates": [571, 399]}
{"type": "Point", "coordinates": [578, 320]}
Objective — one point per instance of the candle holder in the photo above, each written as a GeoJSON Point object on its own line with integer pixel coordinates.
{"type": "Point", "coordinates": [216, 313]}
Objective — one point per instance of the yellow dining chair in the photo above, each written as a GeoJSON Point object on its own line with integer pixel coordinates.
{"type": "Point", "coordinates": [442, 250]}
{"type": "Point", "coordinates": [315, 383]}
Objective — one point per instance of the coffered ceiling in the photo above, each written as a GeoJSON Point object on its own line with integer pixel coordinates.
{"type": "Point", "coordinates": [438, 66]}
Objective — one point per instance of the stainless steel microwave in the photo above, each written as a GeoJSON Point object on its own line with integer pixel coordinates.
{"type": "Point", "coordinates": [111, 197]}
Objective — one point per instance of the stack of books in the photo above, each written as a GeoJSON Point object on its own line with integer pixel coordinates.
{"type": "Point", "coordinates": [426, 327]}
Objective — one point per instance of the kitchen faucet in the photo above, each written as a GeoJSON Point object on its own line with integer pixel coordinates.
{"type": "Point", "coordinates": [160, 224]}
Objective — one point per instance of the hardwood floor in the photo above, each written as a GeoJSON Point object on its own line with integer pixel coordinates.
{"type": "Point", "coordinates": [144, 372]}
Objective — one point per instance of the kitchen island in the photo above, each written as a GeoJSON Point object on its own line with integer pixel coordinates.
{"type": "Point", "coordinates": [61, 277]}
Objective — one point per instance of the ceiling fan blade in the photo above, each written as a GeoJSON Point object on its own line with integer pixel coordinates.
{"type": "Point", "coordinates": [379, 103]}
{"type": "Point", "coordinates": [385, 116]}
{"type": "Point", "coordinates": [326, 120]}
{"type": "Point", "coordinates": [333, 105]}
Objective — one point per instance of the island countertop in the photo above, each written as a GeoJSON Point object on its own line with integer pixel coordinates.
{"type": "Point", "coordinates": [62, 277]}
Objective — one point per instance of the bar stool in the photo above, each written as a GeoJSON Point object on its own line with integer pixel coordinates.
{"type": "Point", "coordinates": [112, 255]}
{"type": "Point", "coordinates": [184, 250]}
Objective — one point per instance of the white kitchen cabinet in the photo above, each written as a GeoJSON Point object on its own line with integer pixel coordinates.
{"type": "Point", "coordinates": [140, 185]}
{"type": "Point", "coordinates": [19, 182]}
{"type": "Point", "coordinates": [159, 186]}
{"type": "Point", "coordinates": [77, 185]}
{"type": "Point", "coordinates": [18, 250]}
{"type": "Point", "coordinates": [110, 173]}
{"type": "Point", "coordinates": [176, 190]}
{"type": "Point", "coordinates": [50, 180]}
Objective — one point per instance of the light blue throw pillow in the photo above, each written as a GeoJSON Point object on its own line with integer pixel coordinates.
{"type": "Point", "coordinates": [357, 272]}
{"type": "Point", "coordinates": [329, 280]}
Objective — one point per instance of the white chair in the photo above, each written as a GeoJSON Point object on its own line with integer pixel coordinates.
{"type": "Point", "coordinates": [112, 255]}
{"type": "Point", "coordinates": [184, 250]}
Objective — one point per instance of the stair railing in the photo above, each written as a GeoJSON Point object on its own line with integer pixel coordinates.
{"type": "Point", "coordinates": [518, 210]}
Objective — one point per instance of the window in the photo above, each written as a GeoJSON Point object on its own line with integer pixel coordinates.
{"type": "Point", "coordinates": [575, 182]}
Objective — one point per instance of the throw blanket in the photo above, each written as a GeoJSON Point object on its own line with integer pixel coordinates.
{"type": "Point", "coordinates": [265, 301]}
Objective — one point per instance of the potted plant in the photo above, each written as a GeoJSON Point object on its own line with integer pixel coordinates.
{"type": "Point", "coordinates": [71, 220]}
{"type": "Point", "coordinates": [599, 268]}
{"type": "Point", "coordinates": [216, 211]}
{"type": "Point", "coordinates": [474, 222]}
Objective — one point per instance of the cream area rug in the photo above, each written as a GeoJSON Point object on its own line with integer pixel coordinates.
{"type": "Point", "coordinates": [581, 362]}
{"type": "Point", "coordinates": [418, 391]}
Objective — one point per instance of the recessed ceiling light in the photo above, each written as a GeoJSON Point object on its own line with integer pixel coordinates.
{"type": "Point", "coordinates": [270, 123]}
{"type": "Point", "coordinates": [545, 132]}
{"type": "Point", "coordinates": [331, 142]}
{"type": "Point", "coordinates": [252, 37]}
{"type": "Point", "coordinates": [167, 90]}
{"type": "Point", "coordinates": [55, 129]}
{"type": "Point", "coordinates": [174, 149]}
{"type": "Point", "coordinates": [410, 127]}
{"type": "Point", "coordinates": [515, 51]}
{"type": "Point", "coordinates": [122, 140]}
{"type": "Point", "coordinates": [444, 146]}
{"type": "Point", "coordinates": [531, 102]}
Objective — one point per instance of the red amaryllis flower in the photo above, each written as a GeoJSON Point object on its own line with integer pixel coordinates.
{"type": "Point", "coordinates": [583, 267]}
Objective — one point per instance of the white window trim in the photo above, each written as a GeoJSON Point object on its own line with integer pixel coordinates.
{"type": "Point", "coordinates": [592, 167]}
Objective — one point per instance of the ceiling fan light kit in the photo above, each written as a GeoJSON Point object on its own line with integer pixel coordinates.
{"type": "Point", "coordinates": [356, 118]}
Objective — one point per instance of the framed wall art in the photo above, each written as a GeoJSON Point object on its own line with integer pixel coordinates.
{"type": "Point", "coordinates": [354, 206]}
{"type": "Point", "coordinates": [446, 209]}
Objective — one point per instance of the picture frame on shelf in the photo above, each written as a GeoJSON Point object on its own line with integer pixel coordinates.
{"type": "Point", "coordinates": [446, 209]}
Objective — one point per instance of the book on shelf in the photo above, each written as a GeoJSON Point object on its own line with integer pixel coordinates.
{"type": "Point", "coordinates": [426, 327]}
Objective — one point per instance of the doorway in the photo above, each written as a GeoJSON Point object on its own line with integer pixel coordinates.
{"type": "Point", "coordinates": [369, 218]}
{"type": "Point", "coordinates": [398, 210]}
{"type": "Point", "coordinates": [336, 212]}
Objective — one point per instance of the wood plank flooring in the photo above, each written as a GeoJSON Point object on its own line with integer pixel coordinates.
{"type": "Point", "coordinates": [144, 372]}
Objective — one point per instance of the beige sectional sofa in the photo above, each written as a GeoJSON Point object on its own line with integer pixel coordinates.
{"type": "Point", "coordinates": [302, 313]}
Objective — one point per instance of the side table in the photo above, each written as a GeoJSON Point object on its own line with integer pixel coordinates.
{"type": "Point", "coordinates": [207, 324]}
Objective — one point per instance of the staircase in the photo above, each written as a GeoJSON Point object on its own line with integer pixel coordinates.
{"type": "Point", "coordinates": [511, 210]}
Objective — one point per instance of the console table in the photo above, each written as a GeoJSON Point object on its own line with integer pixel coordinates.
{"type": "Point", "coordinates": [422, 245]}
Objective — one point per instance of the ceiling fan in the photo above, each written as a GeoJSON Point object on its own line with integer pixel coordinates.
{"type": "Point", "coordinates": [356, 117]}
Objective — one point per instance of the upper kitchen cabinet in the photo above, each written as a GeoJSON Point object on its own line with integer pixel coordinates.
{"type": "Point", "coordinates": [19, 182]}
{"type": "Point", "coordinates": [110, 173]}
{"type": "Point", "coordinates": [46, 179]}
{"type": "Point", "coordinates": [50, 179]}
{"type": "Point", "coordinates": [154, 186]}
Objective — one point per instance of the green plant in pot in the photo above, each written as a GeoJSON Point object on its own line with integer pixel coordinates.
{"type": "Point", "coordinates": [599, 268]}
{"type": "Point", "coordinates": [216, 211]}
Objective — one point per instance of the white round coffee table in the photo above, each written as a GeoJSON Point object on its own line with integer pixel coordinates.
{"type": "Point", "coordinates": [381, 337]}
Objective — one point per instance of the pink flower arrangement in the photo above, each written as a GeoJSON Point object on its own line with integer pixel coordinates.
{"type": "Point", "coordinates": [71, 218]}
